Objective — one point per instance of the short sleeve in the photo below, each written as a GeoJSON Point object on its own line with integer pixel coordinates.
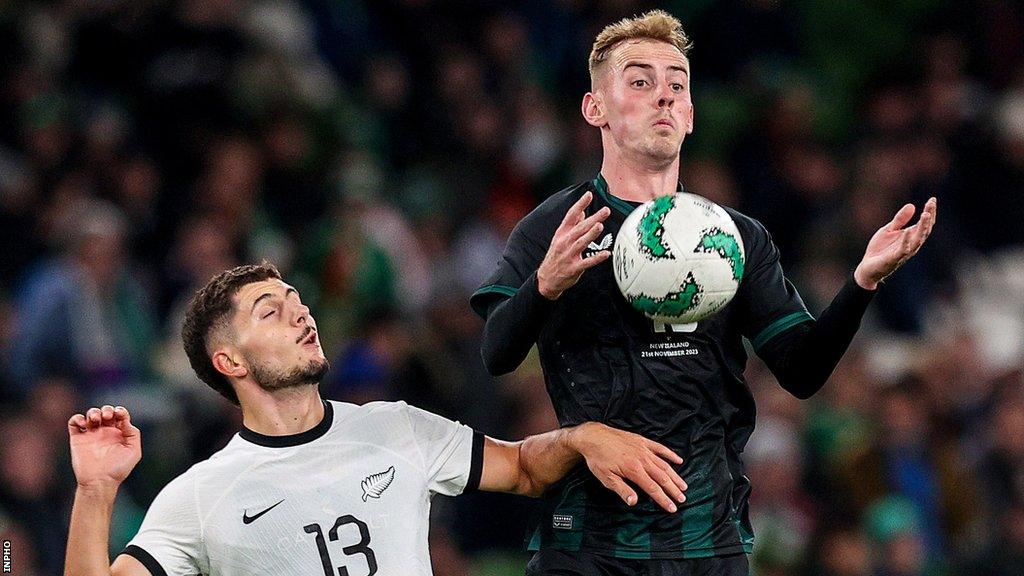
{"type": "Point", "coordinates": [452, 452]}
{"type": "Point", "coordinates": [170, 539]}
{"type": "Point", "coordinates": [522, 256]}
{"type": "Point", "coordinates": [769, 302]}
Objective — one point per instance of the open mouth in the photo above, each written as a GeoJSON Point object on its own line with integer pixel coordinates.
{"type": "Point", "coordinates": [308, 338]}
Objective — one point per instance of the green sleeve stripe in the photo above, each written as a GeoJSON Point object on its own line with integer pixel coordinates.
{"type": "Point", "coordinates": [478, 307]}
{"type": "Point", "coordinates": [780, 326]}
{"type": "Point", "coordinates": [496, 288]}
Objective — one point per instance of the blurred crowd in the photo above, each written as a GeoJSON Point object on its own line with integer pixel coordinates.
{"type": "Point", "coordinates": [380, 152]}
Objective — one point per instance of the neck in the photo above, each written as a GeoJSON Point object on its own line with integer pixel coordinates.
{"type": "Point", "coordinates": [283, 412]}
{"type": "Point", "coordinates": [639, 181]}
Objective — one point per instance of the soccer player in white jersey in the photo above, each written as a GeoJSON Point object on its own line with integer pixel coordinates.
{"type": "Point", "coordinates": [311, 486]}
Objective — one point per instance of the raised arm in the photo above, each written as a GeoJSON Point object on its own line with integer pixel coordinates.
{"type": "Point", "coordinates": [614, 456]}
{"type": "Point", "coordinates": [514, 323]}
{"type": "Point", "coordinates": [803, 358]}
{"type": "Point", "coordinates": [105, 447]}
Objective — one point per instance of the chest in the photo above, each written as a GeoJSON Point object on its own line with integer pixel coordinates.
{"type": "Point", "coordinates": [594, 312]}
{"type": "Point", "coordinates": [359, 507]}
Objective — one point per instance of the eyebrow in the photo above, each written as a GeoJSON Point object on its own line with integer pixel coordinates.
{"type": "Point", "coordinates": [262, 297]}
{"type": "Point", "coordinates": [646, 66]}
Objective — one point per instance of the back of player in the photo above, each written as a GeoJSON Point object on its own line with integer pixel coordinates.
{"type": "Point", "coordinates": [350, 496]}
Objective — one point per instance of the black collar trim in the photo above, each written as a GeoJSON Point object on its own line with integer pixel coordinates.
{"type": "Point", "coordinates": [292, 439]}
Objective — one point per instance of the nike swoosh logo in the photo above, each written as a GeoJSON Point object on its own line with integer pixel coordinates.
{"type": "Point", "coordinates": [246, 519]}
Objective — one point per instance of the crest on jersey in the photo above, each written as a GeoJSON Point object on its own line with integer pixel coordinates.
{"type": "Point", "coordinates": [604, 244]}
{"type": "Point", "coordinates": [595, 247]}
{"type": "Point", "coordinates": [375, 484]}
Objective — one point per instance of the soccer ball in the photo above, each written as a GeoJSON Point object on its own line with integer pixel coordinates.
{"type": "Point", "coordinates": [678, 258]}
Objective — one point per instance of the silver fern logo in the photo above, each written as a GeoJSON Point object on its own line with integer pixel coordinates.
{"type": "Point", "coordinates": [375, 484]}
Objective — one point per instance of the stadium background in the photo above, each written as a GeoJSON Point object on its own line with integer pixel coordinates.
{"type": "Point", "coordinates": [379, 152]}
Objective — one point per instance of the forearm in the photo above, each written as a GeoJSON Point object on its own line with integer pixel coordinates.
{"type": "Point", "coordinates": [513, 326]}
{"type": "Point", "coordinates": [89, 532]}
{"type": "Point", "coordinates": [804, 358]}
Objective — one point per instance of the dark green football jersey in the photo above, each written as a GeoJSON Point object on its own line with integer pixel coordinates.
{"type": "Point", "coordinates": [682, 386]}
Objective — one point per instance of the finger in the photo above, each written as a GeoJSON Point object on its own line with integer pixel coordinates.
{"type": "Point", "coordinates": [107, 411]}
{"type": "Point", "coordinates": [590, 236]}
{"type": "Point", "coordinates": [660, 472]}
{"type": "Point", "coordinates": [77, 424]}
{"type": "Point", "coordinates": [913, 240]}
{"type": "Point", "coordinates": [931, 209]}
{"type": "Point", "coordinates": [676, 479]}
{"type": "Point", "coordinates": [124, 422]}
{"type": "Point", "coordinates": [664, 452]}
{"type": "Point", "coordinates": [94, 417]}
{"type": "Point", "coordinates": [678, 485]}
{"type": "Point", "coordinates": [615, 484]}
{"type": "Point", "coordinates": [902, 217]}
{"type": "Point", "coordinates": [587, 223]}
{"type": "Point", "coordinates": [121, 414]}
{"type": "Point", "coordinates": [594, 259]}
{"type": "Point", "coordinates": [906, 243]}
{"type": "Point", "coordinates": [925, 223]}
{"type": "Point", "coordinates": [644, 481]}
{"type": "Point", "coordinates": [575, 212]}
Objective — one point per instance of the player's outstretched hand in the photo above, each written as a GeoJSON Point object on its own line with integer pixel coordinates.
{"type": "Point", "coordinates": [105, 446]}
{"type": "Point", "coordinates": [893, 244]}
{"type": "Point", "coordinates": [615, 456]}
{"type": "Point", "coordinates": [564, 263]}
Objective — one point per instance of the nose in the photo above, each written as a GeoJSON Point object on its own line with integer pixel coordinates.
{"type": "Point", "coordinates": [666, 97]}
{"type": "Point", "coordinates": [301, 315]}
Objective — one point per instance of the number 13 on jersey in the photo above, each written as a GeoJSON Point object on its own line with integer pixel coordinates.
{"type": "Point", "coordinates": [361, 547]}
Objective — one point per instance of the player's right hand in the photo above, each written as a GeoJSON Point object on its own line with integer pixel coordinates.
{"type": "Point", "coordinates": [564, 262]}
{"type": "Point", "coordinates": [105, 446]}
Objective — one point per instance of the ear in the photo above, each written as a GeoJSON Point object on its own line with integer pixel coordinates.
{"type": "Point", "coordinates": [225, 362]}
{"type": "Point", "coordinates": [593, 110]}
{"type": "Point", "coordinates": [689, 121]}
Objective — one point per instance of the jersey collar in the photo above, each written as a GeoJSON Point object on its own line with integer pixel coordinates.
{"type": "Point", "coordinates": [292, 439]}
{"type": "Point", "coordinates": [623, 206]}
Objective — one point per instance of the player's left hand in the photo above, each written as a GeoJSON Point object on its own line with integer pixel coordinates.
{"type": "Point", "coordinates": [615, 456]}
{"type": "Point", "coordinates": [893, 245]}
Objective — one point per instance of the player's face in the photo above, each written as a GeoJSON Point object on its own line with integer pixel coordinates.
{"type": "Point", "coordinates": [277, 336]}
{"type": "Point", "coordinates": [646, 96]}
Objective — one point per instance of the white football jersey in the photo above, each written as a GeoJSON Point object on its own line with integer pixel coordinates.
{"type": "Point", "coordinates": [350, 497]}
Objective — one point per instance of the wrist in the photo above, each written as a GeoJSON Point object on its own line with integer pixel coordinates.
{"type": "Point", "coordinates": [864, 281]}
{"type": "Point", "coordinates": [105, 490]}
{"type": "Point", "coordinates": [579, 437]}
{"type": "Point", "coordinates": [545, 290]}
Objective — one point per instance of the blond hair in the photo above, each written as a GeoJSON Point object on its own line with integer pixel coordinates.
{"type": "Point", "coordinates": [654, 25]}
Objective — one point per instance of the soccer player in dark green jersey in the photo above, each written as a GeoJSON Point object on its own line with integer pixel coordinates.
{"type": "Point", "coordinates": [680, 385]}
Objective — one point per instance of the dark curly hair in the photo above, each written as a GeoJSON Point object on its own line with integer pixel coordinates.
{"type": "Point", "coordinates": [208, 310]}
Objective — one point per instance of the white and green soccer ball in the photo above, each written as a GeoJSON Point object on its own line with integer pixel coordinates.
{"type": "Point", "coordinates": [679, 258]}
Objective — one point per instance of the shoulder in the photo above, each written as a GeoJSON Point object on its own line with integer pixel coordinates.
{"type": "Point", "coordinates": [376, 409]}
{"type": "Point", "coordinates": [399, 410]}
{"type": "Point", "coordinates": [182, 489]}
{"type": "Point", "coordinates": [746, 224]}
{"type": "Point", "coordinates": [755, 236]}
{"type": "Point", "coordinates": [374, 422]}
